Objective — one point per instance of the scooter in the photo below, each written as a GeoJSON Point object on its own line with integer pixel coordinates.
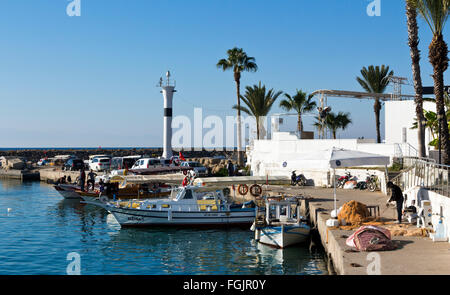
{"type": "Point", "coordinates": [299, 180]}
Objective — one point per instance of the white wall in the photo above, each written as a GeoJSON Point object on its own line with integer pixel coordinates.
{"type": "Point", "coordinates": [401, 114]}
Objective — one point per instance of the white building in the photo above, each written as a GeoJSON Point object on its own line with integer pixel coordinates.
{"type": "Point", "coordinates": [283, 153]}
{"type": "Point", "coordinates": [399, 118]}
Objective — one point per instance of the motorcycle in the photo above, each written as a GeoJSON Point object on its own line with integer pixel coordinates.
{"type": "Point", "coordinates": [371, 182]}
{"type": "Point", "coordinates": [299, 180]}
{"type": "Point", "coordinates": [343, 179]}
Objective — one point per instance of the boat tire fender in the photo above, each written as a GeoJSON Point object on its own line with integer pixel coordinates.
{"type": "Point", "coordinates": [243, 189]}
{"type": "Point", "coordinates": [255, 190]}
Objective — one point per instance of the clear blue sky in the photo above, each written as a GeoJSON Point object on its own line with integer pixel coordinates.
{"type": "Point", "coordinates": [90, 80]}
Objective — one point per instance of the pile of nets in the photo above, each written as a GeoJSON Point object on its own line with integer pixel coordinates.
{"type": "Point", "coordinates": [353, 213]}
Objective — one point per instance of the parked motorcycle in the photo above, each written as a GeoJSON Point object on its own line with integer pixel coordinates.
{"type": "Point", "coordinates": [299, 180]}
{"type": "Point", "coordinates": [343, 179]}
{"type": "Point", "coordinates": [371, 182]}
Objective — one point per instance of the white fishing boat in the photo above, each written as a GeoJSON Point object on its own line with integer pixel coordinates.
{"type": "Point", "coordinates": [190, 205]}
{"type": "Point", "coordinates": [281, 225]}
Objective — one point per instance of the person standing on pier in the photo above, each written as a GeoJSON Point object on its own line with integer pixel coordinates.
{"type": "Point", "coordinates": [91, 179]}
{"type": "Point", "coordinates": [82, 179]}
{"type": "Point", "coordinates": [397, 196]}
{"type": "Point", "coordinates": [230, 168]}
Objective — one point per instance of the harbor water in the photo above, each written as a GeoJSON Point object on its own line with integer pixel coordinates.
{"type": "Point", "coordinates": [39, 229]}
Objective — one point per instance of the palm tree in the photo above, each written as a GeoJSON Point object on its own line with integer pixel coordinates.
{"type": "Point", "coordinates": [435, 13]}
{"type": "Point", "coordinates": [431, 120]}
{"type": "Point", "coordinates": [318, 125]}
{"type": "Point", "coordinates": [239, 62]}
{"type": "Point", "coordinates": [301, 103]}
{"type": "Point", "coordinates": [375, 80]}
{"type": "Point", "coordinates": [335, 122]}
{"type": "Point", "coordinates": [413, 42]}
{"type": "Point", "coordinates": [258, 102]}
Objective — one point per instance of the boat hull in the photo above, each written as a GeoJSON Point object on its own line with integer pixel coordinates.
{"type": "Point", "coordinates": [284, 235]}
{"type": "Point", "coordinates": [128, 217]}
{"type": "Point", "coordinates": [67, 191]}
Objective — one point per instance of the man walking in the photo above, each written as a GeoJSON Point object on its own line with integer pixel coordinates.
{"type": "Point", "coordinates": [397, 196]}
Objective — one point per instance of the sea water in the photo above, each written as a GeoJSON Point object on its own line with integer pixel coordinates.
{"type": "Point", "coordinates": [39, 230]}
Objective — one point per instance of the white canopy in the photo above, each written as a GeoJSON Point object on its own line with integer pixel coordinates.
{"type": "Point", "coordinates": [348, 158]}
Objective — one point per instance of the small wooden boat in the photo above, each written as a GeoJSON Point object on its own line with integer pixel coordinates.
{"type": "Point", "coordinates": [281, 225]}
{"type": "Point", "coordinates": [68, 191]}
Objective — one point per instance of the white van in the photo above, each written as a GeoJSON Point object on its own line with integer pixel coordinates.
{"type": "Point", "coordinates": [147, 163]}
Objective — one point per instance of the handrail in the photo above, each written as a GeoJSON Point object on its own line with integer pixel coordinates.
{"type": "Point", "coordinates": [425, 173]}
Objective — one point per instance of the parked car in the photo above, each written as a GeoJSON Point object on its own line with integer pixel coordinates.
{"type": "Point", "coordinates": [198, 168]}
{"type": "Point", "coordinates": [73, 164]}
{"type": "Point", "coordinates": [100, 164]}
{"type": "Point", "coordinates": [43, 162]}
{"type": "Point", "coordinates": [127, 162]}
{"type": "Point", "coordinates": [145, 163]}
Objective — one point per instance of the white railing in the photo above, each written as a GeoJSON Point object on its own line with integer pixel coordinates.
{"type": "Point", "coordinates": [425, 173]}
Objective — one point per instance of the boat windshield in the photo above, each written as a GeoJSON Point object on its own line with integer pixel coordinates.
{"type": "Point", "coordinates": [176, 193]}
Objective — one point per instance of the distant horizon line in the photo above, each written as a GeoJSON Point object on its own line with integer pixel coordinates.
{"type": "Point", "coordinates": [108, 148]}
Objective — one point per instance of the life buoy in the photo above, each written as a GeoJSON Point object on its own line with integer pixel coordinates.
{"type": "Point", "coordinates": [256, 190]}
{"type": "Point", "coordinates": [243, 189]}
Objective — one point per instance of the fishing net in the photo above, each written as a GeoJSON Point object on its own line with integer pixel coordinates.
{"type": "Point", "coordinates": [353, 213]}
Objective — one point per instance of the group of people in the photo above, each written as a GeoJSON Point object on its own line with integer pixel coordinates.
{"type": "Point", "coordinates": [90, 181]}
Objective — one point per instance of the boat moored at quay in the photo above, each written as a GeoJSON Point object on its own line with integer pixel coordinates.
{"type": "Point", "coordinates": [190, 205]}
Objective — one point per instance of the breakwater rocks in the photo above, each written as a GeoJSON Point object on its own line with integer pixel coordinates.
{"type": "Point", "coordinates": [34, 155]}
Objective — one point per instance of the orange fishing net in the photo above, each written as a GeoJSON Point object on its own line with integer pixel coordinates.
{"type": "Point", "coordinates": [353, 213]}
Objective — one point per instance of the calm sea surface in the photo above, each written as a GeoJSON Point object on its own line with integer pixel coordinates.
{"type": "Point", "coordinates": [41, 229]}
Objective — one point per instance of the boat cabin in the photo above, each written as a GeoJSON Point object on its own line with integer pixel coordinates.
{"type": "Point", "coordinates": [185, 199]}
{"type": "Point", "coordinates": [282, 211]}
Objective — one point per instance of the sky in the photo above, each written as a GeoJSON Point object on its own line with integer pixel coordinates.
{"type": "Point", "coordinates": [90, 80]}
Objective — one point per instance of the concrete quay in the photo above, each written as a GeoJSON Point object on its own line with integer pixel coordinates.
{"type": "Point", "coordinates": [414, 255]}
{"type": "Point", "coordinates": [23, 175]}
{"type": "Point", "coordinates": [48, 175]}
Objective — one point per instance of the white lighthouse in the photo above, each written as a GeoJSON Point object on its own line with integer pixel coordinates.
{"type": "Point", "coordinates": [167, 90]}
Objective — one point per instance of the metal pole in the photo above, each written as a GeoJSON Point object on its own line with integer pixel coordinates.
{"type": "Point", "coordinates": [439, 141]}
{"type": "Point", "coordinates": [334, 184]}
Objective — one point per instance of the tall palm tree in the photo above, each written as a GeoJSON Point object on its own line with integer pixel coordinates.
{"type": "Point", "coordinates": [319, 126]}
{"type": "Point", "coordinates": [239, 62]}
{"type": "Point", "coordinates": [335, 122]}
{"type": "Point", "coordinates": [375, 80]}
{"type": "Point", "coordinates": [301, 103]}
{"type": "Point", "coordinates": [258, 102]}
{"type": "Point", "coordinates": [413, 42]}
{"type": "Point", "coordinates": [435, 13]}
